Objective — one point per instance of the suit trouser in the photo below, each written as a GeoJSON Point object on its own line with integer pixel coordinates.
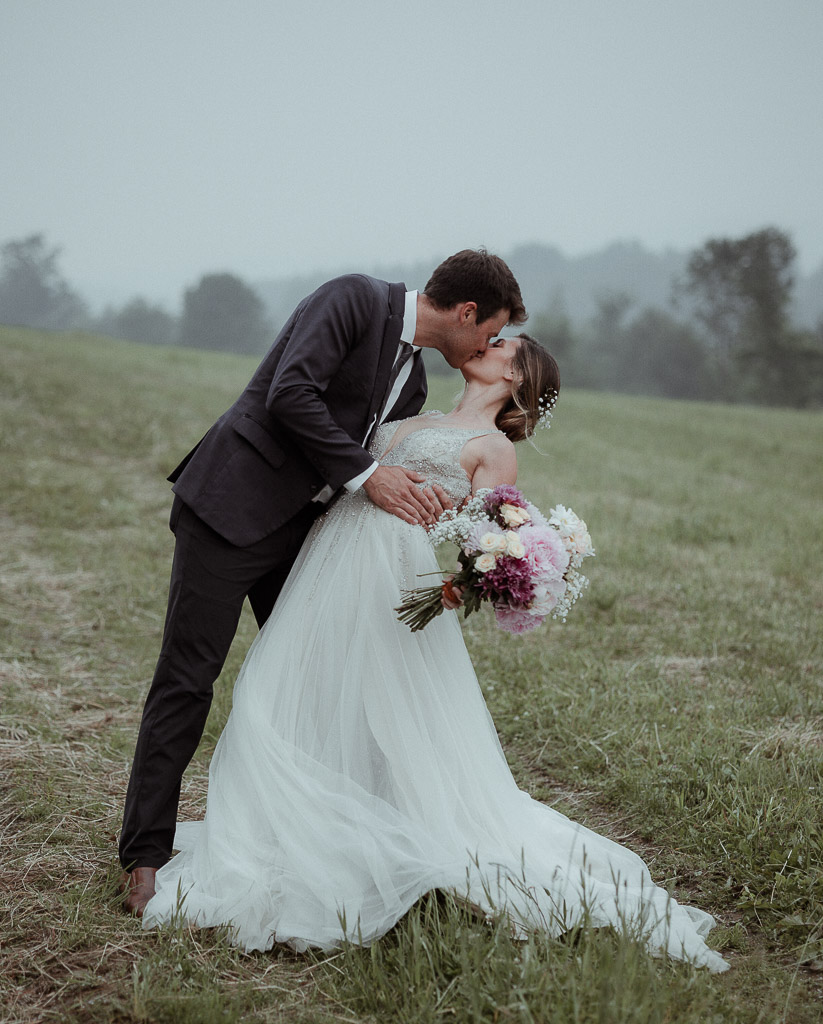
{"type": "Point", "coordinates": [210, 578]}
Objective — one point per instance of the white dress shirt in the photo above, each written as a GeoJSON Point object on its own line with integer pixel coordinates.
{"type": "Point", "coordinates": [406, 338]}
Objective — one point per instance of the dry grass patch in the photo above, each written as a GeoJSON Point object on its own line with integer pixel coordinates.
{"type": "Point", "coordinates": [67, 953]}
{"type": "Point", "coordinates": [786, 739]}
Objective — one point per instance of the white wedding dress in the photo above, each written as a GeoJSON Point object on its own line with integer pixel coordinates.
{"type": "Point", "coordinates": [360, 768]}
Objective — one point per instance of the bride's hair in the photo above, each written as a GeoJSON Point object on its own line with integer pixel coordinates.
{"type": "Point", "coordinates": [535, 389]}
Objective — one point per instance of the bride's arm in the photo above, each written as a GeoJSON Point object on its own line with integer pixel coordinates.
{"type": "Point", "coordinates": [496, 463]}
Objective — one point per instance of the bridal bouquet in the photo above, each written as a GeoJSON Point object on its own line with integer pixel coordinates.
{"type": "Point", "coordinates": [527, 566]}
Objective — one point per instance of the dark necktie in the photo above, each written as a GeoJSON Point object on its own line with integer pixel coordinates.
{"type": "Point", "coordinates": [403, 356]}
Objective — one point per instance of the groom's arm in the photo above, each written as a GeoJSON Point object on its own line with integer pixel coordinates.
{"type": "Point", "coordinates": [329, 325]}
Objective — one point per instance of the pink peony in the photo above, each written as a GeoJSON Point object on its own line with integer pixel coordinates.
{"type": "Point", "coordinates": [546, 554]}
{"type": "Point", "coordinates": [516, 620]}
{"type": "Point", "coordinates": [546, 595]}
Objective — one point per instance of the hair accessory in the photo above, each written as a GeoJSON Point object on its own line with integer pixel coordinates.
{"type": "Point", "coordinates": [545, 408]}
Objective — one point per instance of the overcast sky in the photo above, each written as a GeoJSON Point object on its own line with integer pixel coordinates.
{"type": "Point", "coordinates": [161, 139]}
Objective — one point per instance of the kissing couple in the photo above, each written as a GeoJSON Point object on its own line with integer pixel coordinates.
{"type": "Point", "coordinates": [359, 768]}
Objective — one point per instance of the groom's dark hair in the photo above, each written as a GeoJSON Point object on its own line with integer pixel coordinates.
{"type": "Point", "coordinates": [474, 275]}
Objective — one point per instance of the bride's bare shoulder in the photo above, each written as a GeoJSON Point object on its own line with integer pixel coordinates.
{"type": "Point", "coordinates": [492, 459]}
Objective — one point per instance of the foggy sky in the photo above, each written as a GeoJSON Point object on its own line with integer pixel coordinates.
{"type": "Point", "coordinates": [161, 139]}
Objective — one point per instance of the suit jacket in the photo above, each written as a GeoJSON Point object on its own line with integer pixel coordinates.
{"type": "Point", "coordinates": [299, 424]}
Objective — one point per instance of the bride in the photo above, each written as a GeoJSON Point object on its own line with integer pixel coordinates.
{"type": "Point", "coordinates": [359, 767]}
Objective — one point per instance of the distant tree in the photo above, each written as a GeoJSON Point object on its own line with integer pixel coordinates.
{"type": "Point", "coordinates": [608, 321]}
{"type": "Point", "coordinates": [815, 379]}
{"type": "Point", "coordinates": [555, 331]}
{"type": "Point", "coordinates": [659, 355]}
{"type": "Point", "coordinates": [139, 320]}
{"type": "Point", "coordinates": [32, 291]}
{"type": "Point", "coordinates": [222, 312]}
{"type": "Point", "coordinates": [743, 289]}
{"type": "Point", "coordinates": [602, 352]}
{"type": "Point", "coordinates": [802, 373]}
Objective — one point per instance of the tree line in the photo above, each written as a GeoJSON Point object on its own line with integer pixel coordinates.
{"type": "Point", "coordinates": [220, 312]}
{"type": "Point", "coordinates": [727, 334]}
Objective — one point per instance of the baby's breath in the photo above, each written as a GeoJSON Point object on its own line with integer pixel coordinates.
{"type": "Point", "coordinates": [545, 407]}
{"type": "Point", "coordinates": [454, 526]}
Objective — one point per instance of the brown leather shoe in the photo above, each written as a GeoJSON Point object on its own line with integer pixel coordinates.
{"type": "Point", "coordinates": [138, 885]}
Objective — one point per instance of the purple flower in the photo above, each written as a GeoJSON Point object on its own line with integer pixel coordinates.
{"type": "Point", "coordinates": [538, 519]}
{"type": "Point", "coordinates": [503, 494]}
{"type": "Point", "coordinates": [508, 583]}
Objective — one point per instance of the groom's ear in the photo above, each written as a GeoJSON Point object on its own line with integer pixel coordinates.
{"type": "Point", "coordinates": [468, 312]}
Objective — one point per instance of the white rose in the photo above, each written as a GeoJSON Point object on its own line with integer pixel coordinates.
{"type": "Point", "coordinates": [502, 544]}
{"type": "Point", "coordinates": [513, 515]}
{"type": "Point", "coordinates": [582, 542]}
{"type": "Point", "coordinates": [483, 563]}
{"type": "Point", "coordinates": [514, 545]}
{"type": "Point", "coordinates": [490, 541]}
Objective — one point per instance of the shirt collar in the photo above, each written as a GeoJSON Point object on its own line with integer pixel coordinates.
{"type": "Point", "coordinates": [410, 319]}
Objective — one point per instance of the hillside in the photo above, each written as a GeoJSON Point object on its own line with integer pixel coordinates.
{"type": "Point", "coordinates": [680, 709]}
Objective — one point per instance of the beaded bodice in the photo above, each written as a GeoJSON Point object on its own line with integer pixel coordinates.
{"type": "Point", "coordinates": [433, 451]}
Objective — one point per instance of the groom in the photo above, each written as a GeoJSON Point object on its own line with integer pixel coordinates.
{"type": "Point", "coordinates": [347, 360]}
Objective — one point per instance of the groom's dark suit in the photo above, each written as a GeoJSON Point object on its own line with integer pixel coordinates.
{"type": "Point", "coordinates": [243, 506]}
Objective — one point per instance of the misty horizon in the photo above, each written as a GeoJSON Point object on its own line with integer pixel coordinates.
{"type": "Point", "coordinates": [414, 270]}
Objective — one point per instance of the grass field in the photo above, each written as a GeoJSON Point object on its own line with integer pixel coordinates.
{"type": "Point", "coordinates": [680, 709]}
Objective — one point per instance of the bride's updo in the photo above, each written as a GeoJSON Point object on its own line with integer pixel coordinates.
{"type": "Point", "coordinates": [535, 389]}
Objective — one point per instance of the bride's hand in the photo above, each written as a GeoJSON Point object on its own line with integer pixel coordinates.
{"type": "Point", "coordinates": [452, 597]}
{"type": "Point", "coordinates": [440, 499]}
{"type": "Point", "coordinates": [395, 490]}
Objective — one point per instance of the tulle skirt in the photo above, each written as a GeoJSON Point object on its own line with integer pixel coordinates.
{"type": "Point", "coordinates": [360, 769]}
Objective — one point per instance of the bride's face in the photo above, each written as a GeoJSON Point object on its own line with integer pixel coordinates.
{"type": "Point", "coordinates": [493, 365]}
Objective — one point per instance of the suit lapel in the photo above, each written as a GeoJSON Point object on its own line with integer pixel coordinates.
{"type": "Point", "coordinates": [388, 349]}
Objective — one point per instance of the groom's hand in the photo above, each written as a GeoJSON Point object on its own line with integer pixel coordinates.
{"type": "Point", "coordinates": [395, 489]}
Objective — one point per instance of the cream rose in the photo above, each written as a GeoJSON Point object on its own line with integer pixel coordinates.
{"type": "Point", "coordinates": [490, 541]}
{"type": "Point", "coordinates": [514, 545]}
{"type": "Point", "coordinates": [484, 563]}
{"type": "Point", "coordinates": [513, 515]}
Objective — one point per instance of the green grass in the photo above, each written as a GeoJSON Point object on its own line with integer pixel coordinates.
{"type": "Point", "coordinates": [679, 710]}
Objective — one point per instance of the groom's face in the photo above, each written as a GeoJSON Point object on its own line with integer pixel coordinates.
{"type": "Point", "coordinates": [466, 337]}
